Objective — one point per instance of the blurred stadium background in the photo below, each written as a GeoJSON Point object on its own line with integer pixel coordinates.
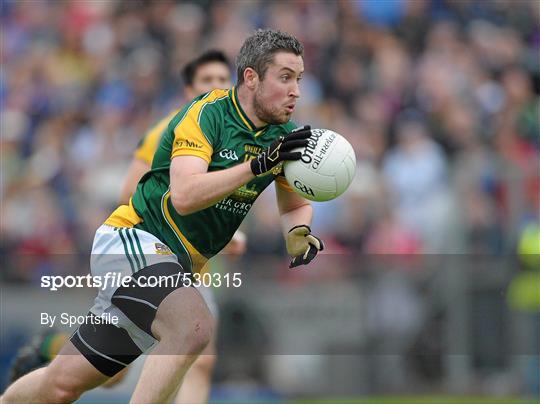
{"type": "Point", "coordinates": [431, 284]}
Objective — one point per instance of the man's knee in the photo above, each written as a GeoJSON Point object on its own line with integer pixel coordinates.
{"type": "Point", "coordinates": [189, 338]}
{"type": "Point", "coordinates": [188, 332]}
{"type": "Point", "coordinates": [64, 395]}
{"type": "Point", "coordinates": [60, 389]}
{"type": "Point", "coordinates": [199, 335]}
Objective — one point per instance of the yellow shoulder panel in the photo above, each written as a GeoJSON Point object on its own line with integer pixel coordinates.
{"type": "Point", "coordinates": [189, 139]}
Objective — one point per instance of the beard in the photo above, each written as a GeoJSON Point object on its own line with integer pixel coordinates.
{"type": "Point", "coordinates": [269, 115]}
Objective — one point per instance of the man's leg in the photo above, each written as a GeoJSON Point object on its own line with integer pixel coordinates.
{"type": "Point", "coordinates": [183, 326]}
{"type": "Point", "coordinates": [195, 387]}
{"type": "Point", "coordinates": [62, 381]}
{"type": "Point", "coordinates": [116, 379]}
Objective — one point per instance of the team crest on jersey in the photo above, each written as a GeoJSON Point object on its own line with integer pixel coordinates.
{"type": "Point", "coordinates": [162, 249]}
{"type": "Point", "coordinates": [251, 151]}
{"type": "Point", "coordinates": [245, 194]}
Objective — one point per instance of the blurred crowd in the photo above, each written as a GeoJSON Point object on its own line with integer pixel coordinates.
{"type": "Point", "coordinates": [440, 100]}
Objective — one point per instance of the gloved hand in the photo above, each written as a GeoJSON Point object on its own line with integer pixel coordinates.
{"type": "Point", "coordinates": [302, 245]}
{"type": "Point", "coordinates": [280, 150]}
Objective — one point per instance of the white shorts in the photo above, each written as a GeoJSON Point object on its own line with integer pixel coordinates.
{"type": "Point", "coordinates": [124, 252]}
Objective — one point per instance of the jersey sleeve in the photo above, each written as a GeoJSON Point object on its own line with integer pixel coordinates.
{"type": "Point", "coordinates": [149, 143]}
{"type": "Point", "coordinates": [195, 134]}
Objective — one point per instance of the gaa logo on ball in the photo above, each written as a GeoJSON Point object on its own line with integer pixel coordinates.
{"type": "Point", "coordinates": [326, 168]}
{"type": "Point", "coordinates": [304, 189]}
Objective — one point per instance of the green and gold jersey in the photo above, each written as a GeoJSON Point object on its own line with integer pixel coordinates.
{"type": "Point", "coordinates": [215, 128]}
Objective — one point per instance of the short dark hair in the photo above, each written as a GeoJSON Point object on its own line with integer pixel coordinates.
{"type": "Point", "coordinates": [258, 51]}
{"type": "Point", "coordinates": [190, 70]}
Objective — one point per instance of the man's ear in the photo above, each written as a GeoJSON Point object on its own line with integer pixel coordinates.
{"type": "Point", "coordinates": [251, 78]}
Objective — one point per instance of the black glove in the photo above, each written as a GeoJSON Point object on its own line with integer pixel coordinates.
{"type": "Point", "coordinates": [302, 245]}
{"type": "Point", "coordinates": [280, 150]}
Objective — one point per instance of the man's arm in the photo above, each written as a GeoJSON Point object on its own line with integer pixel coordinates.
{"type": "Point", "coordinates": [136, 170]}
{"type": "Point", "coordinates": [296, 214]}
{"type": "Point", "coordinates": [193, 188]}
{"type": "Point", "coordinates": [293, 209]}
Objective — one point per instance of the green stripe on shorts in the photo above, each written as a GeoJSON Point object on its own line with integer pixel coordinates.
{"type": "Point", "coordinates": [140, 248]}
{"type": "Point", "coordinates": [126, 251]}
{"type": "Point", "coordinates": [133, 249]}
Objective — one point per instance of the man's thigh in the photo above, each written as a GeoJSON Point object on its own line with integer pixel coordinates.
{"type": "Point", "coordinates": [108, 348]}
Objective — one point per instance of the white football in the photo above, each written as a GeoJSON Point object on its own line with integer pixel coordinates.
{"type": "Point", "coordinates": [326, 168]}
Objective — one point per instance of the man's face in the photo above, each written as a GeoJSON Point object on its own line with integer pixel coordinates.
{"type": "Point", "coordinates": [208, 77]}
{"type": "Point", "coordinates": [276, 94]}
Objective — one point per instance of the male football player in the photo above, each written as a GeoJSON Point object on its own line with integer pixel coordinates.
{"type": "Point", "coordinates": [208, 71]}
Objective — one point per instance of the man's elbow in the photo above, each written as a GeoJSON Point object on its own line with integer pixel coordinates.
{"type": "Point", "coordinates": [182, 203]}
